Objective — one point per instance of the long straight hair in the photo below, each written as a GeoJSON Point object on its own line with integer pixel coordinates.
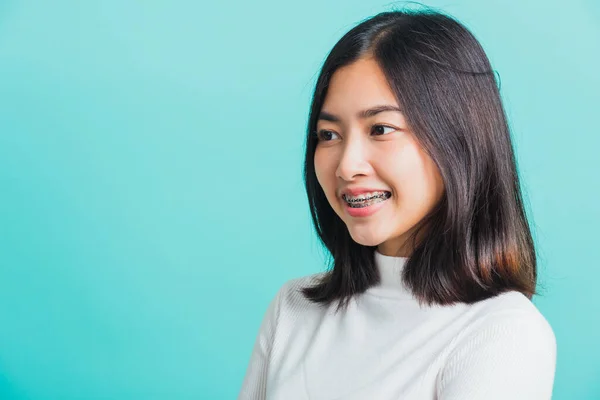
{"type": "Point", "coordinates": [478, 242]}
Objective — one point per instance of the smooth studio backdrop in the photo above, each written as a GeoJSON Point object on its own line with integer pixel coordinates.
{"type": "Point", "coordinates": [151, 196]}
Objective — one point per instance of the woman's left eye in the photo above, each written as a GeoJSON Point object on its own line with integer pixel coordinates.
{"type": "Point", "coordinates": [380, 129]}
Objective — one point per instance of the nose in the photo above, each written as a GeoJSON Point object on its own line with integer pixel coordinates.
{"type": "Point", "coordinates": [353, 160]}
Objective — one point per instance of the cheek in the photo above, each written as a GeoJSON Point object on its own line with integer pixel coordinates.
{"type": "Point", "coordinates": [323, 170]}
{"type": "Point", "coordinates": [318, 163]}
{"type": "Point", "coordinates": [432, 180]}
{"type": "Point", "coordinates": [415, 177]}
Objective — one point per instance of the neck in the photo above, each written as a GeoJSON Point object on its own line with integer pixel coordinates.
{"type": "Point", "coordinates": [390, 272]}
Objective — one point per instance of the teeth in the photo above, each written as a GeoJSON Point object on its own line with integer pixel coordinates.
{"type": "Point", "coordinates": [366, 196]}
{"type": "Point", "coordinates": [369, 201]}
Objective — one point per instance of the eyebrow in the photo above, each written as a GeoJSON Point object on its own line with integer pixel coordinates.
{"type": "Point", "coordinates": [361, 114]}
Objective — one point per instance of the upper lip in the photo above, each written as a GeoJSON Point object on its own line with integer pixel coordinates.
{"type": "Point", "coordinates": [360, 190]}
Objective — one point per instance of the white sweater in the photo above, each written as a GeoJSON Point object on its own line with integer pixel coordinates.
{"type": "Point", "coordinates": [385, 346]}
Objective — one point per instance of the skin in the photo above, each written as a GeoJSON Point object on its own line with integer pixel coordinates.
{"type": "Point", "coordinates": [380, 151]}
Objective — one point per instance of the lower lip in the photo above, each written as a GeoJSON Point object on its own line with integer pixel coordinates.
{"type": "Point", "coordinates": [364, 211]}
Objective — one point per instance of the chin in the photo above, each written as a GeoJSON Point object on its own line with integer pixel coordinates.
{"type": "Point", "coordinates": [366, 240]}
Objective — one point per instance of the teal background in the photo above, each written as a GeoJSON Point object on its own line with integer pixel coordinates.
{"type": "Point", "coordinates": [137, 139]}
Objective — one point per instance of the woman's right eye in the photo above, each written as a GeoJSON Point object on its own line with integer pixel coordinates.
{"type": "Point", "coordinates": [324, 135]}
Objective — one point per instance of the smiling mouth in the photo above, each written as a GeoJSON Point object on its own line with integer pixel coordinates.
{"type": "Point", "coordinates": [362, 203]}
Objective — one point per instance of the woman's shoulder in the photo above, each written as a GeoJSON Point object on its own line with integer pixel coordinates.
{"type": "Point", "coordinates": [508, 349]}
{"type": "Point", "coordinates": [511, 305]}
{"type": "Point", "coordinates": [509, 317]}
{"type": "Point", "coordinates": [306, 280]}
{"type": "Point", "coordinates": [290, 292]}
{"type": "Point", "coordinates": [509, 346]}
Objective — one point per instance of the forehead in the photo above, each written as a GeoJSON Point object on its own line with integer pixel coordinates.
{"type": "Point", "coordinates": [358, 85]}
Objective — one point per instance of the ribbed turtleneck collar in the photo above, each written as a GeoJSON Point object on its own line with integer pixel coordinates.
{"type": "Point", "coordinates": [390, 270]}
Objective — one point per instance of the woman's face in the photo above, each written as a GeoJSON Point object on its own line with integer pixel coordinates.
{"type": "Point", "coordinates": [376, 150]}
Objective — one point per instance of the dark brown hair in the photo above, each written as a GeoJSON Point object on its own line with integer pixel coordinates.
{"type": "Point", "coordinates": [478, 241]}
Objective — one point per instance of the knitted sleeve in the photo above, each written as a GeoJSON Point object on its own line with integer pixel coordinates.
{"type": "Point", "coordinates": [504, 355]}
{"type": "Point", "coordinates": [254, 385]}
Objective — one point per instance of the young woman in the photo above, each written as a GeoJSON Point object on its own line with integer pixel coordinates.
{"type": "Point", "coordinates": [413, 188]}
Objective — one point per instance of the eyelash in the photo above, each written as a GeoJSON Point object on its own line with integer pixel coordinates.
{"type": "Point", "coordinates": [317, 134]}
